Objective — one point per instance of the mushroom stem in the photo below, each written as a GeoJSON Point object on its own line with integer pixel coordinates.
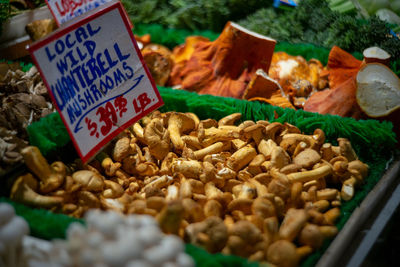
{"type": "Point", "coordinates": [212, 192]}
{"type": "Point", "coordinates": [213, 135]}
{"type": "Point", "coordinates": [189, 168]}
{"type": "Point", "coordinates": [241, 158]}
{"type": "Point", "coordinates": [230, 119]}
{"type": "Point", "coordinates": [212, 149]}
{"type": "Point", "coordinates": [179, 123]}
{"type": "Point", "coordinates": [306, 176]}
{"type": "Point", "coordinates": [49, 177]}
{"type": "Point", "coordinates": [23, 192]}
{"type": "Point", "coordinates": [110, 168]}
{"type": "Point", "coordinates": [138, 131]}
{"type": "Point", "coordinates": [347, 191]}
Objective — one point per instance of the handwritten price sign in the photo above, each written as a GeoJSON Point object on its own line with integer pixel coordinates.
{"type": "Point", "coordinates": [112, 111]}
{"type": "Point", "coordinates": [96, 77]}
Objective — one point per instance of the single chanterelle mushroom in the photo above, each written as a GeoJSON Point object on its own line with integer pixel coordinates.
{"type": "Point", "coordinates": [179, 123]}
{"type": "Point", "coordinates": [50, 178]}
{"type": "Point", "coordinates": [157, 139]}
{"type": "Point", "coordinates": [210, 234]}
{"type": "Point", "coordinates": [23, 190]}
{"type": "Point", "coordinates": [283, 253]}
{"type": "Point", "coordinates": [230, 119]}
{"type": "Point", "coordinates": [307, 158]}
{"type": "Point", "coordinates": [89, 180]}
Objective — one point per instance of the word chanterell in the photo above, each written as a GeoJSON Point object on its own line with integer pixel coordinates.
{"type": "Point", "coordinates": [81, 66]}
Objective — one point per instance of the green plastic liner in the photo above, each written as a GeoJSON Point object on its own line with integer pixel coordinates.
{"type": "Point", "coordinates": [49, 134]}
{"type": "Point", "coordinates": [43, 223]}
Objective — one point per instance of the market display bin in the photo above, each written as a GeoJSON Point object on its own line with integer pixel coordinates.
{"type": "Point", "coordinates": [373, 141]}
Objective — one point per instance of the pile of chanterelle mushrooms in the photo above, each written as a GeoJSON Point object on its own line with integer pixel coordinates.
{"type": "Point", "coordinates": [257, 190]}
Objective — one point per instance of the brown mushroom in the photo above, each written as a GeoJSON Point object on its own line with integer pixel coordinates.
{"type": "Point", "coordinates": [241, 158]}
{"type": "Point", "coordinates": [121, 149]}
{"type": "Point", "coordinates": [23, 190]}
{"type": "Point", "coordinates": [283, 253]}
{"type": "Point", "coordinates": [50, 178]}
{"type": "Point", "coordinates": [230, 119]}
{"type": "Point", "coordinates": [89, 180]}
{"type": "Point", "coordinates": [294, 221]}
{"type": "Point", "coordinates": [307, 158]}
{"type": "Point", "coordinates": [211, 234]}
{"type": "Point", "coordinates": [312, 236]}
{"type": "Point", "coordinates": [179, 123]}
{"type": "Point", "coordinates": [170, 217]}
{"type": "Point", "coordinates": [314, 174]}
{"type": "Point", "coordinates": [157, 139]}
{"type": "Point", "coordinates": [346, 149]}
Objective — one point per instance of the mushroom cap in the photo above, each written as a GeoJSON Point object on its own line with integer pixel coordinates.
{"type": "Point", "coordinates": [282, 253]}
{"type": "Point", "coordinates": [89, 180]}
{"type": "Point", "coordinates": [263, 208]}
{"type": "Point", "coordinates": [157, 138]}
{"type": "Point", "coordinates": [252, 129]}
{"type": "Point", "coordinates": [359, 166]}
{"type": "Point", "coordinates": [311, 235]}
{"type": "Point", "coordinates": [307, 158]}
{"type": "Point", "coordinates": [246, 231]}
{"type": "Point", "coordinates": [273, 129]}
{"type": "Point", "coordinates": [376, 54]}
{"type": "Point", "coordinates": [121, 149]}
{"type": "Point", "coordinates": [378, 90]}
{"type": "Point", "coordinates": [6, 213]}
{"type": "Point", "coordinates": [13, 231]}
{"type": "Point", "coordinates": [184, 122]}
{"type": "Point", "coordinates": [194, 117]}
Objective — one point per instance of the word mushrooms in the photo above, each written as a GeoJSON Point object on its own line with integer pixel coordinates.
{"type": "Point", "coordinates": [261, 190]}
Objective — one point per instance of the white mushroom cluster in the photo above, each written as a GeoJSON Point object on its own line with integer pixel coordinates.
{"type": "Point", "coordinates": [12, 231]}
{"type": "Point", "coordinates": [112, 239]}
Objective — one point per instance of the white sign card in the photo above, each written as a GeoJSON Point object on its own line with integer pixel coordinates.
{"type": "Point", "coordinates": [64, 10]}
{"type": "Point", "coordinates": [96, 77]}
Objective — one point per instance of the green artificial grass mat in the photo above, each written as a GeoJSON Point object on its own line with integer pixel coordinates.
{"type": "Point", "coordinates": [367, 136]}
{"type": "Point", "coordinates": [373, 141]}
{"type": "Point", "coordinates": [204, 259]}
{"type": "Point", "coordinates": [43, 223]}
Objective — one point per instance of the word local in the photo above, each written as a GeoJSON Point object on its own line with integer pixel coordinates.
{"type": "Point", "coordinates": [97, 75]}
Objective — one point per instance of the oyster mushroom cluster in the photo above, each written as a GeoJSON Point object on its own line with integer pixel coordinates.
{"type": "Point", "coordinates": [24, 99]}
{"type": "Point", "coordinates": [254, 189]}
